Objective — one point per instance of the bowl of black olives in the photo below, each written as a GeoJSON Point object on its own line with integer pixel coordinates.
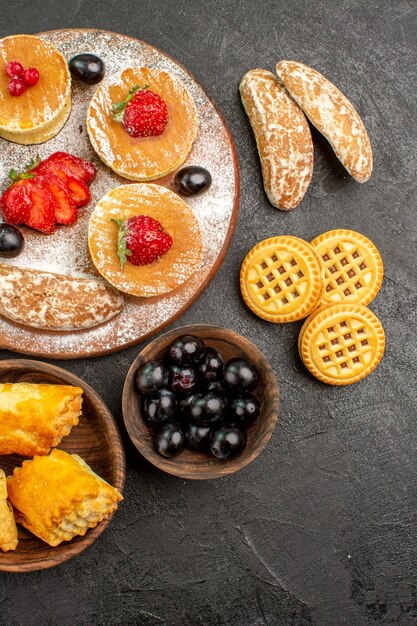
{"type": "Point", "coordinates": [200, 402]}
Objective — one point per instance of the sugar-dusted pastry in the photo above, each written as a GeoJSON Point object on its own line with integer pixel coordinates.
{"type": "Point", "coordinates": [353, 266]}
{"type": "Point", "coordinates": [35, 89]}
{"type": "Point", "coordinates": [281, 279]}
{"type": "Point", "coordinates": [144, 239]}
{"type": "Point", "coordinates": [283, 138]}
{"type": "Point", "coordinates": [332, 114]}
{"type": "Point", "coordinates": [142, 123]}
{"type": "Point", "coordinates": [8, 530]}
{"type": "Point", "coordinates": [58, 497]}
{"type": "Point", "coordinates": [341, 343]}
{"type": "Point", "coordinates": [54, 302]}
{"type": "Point", "coordinates": [35, 417]}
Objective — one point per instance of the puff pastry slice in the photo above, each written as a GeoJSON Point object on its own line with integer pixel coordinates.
{"type": "Point", "coordinates": [58, 497]}
{"type": "Point", "coordinates": [8, 530]}
{"type": "Point", "coordinates": [35, 417]}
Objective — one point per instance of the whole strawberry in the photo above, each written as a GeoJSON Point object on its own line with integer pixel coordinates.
{"type": "Point", "coordinates": [141, 240]}
{"type": "Point", "coordinates": [143, 113]}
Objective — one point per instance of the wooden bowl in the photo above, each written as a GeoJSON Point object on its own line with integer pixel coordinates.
{"type": "Point", "coordinates": [200, 465]}
{"type": "Point", "coordinates": [96, 439]}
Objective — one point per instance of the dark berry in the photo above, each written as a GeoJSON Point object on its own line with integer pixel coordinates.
{"type": "Point", "coordinates": [240, 375]}
{"type": "Point", "coordinates": [17, 86]}
{"type": "Point", "coordinates": [11, 241]}
{"type": "Point", "coordinates": [88, 68]}
{"type": "Point", "coordinates": [211, 365]}
{"type": "Point", "coordinates": [243, 409]}
{"type": "Point", "coordinates": [169, 440]}
{"type": "Point", "coordinates": [182, 379]}
{"type": "Point", "coordinates": [186, 350]}
{"type": "Point", "coordinates": [31, 76]}
{"type": "Point", "coordinates": [159, 408]}
{"type": "Point", "coordinates": [227, 442]}
{"type": "Point", "coordinates": [183, 403]}
{"type": "Point", "coordinates": [192, 180]}
{"type": "Point", "coordinates": [151, 377]}
{"type": "Point", "coordinates": [217, 387]}
{"type": "Point", "coordinates": [198, 436]}
{"type": "Point", "coordinates": [206, 408]}
{"type": "Point", "coordinates": [14, 69]}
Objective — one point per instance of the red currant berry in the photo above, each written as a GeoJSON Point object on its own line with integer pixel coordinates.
{"type": "Point", "coordinates": [17, 86]}
{"type": "Point", "coordinates": [31, 76]}
{"type": "Point", "coordinates": [14, 68]}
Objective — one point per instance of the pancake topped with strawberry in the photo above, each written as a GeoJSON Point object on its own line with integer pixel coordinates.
{"type": "Point", "coordinates": [35, 89]}
{"type": "Point", "coordinates": [142, 123]}
{"type": "Point", "coordinates": [144, 239]}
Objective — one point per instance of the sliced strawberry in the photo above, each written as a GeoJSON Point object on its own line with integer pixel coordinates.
{"type": "Point", "coordinates": [81, 168]}
{"type": "Point", "coordinates": [42, 212]}
{"type": "Point", "coordinates": [16, 203]}
{"type": "Point", "coordinates": [79, 192]}
{"type": "Point", "coordinates": [65, 209]}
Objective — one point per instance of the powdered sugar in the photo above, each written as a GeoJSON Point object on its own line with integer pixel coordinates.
{"type": "Point", "coordinates": [66, 251]}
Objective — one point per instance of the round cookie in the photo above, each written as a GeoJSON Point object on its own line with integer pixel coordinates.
{"type": "Point", "coordinates": [170, 270]}
{"type": "Point", "coordinates": [39, 106]}
{"type": "Point", "coordinates": [353, 266]}
{"type": "Point", "coordinates": [142, 158]}
{"type": "Point", "coordinates": [341, 343]}
{"type": "Point", "coordinates": [281, 279]}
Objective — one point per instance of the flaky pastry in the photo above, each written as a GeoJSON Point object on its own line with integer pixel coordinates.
{"type": "Point", "coordinates": [58, 497]}
{"type": "Point", "coordinates": [35, 417]}
{"type": "Point", "coordinates": [8, 530]}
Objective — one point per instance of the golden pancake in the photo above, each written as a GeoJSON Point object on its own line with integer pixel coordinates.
{"type": "Point", "coordinates": [142, 158]}
{"type": "Point", "coordinates": [39, 105]}
{"type": "Point", "coordinates": [44, 134]}
{"type": "Point", "coordinates": [168, 271]}
{"type": "Point", "coordinates": [281, 279]}
{"type": "Point", "coordinates": [341, 343]}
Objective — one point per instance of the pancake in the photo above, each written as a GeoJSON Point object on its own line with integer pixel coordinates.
{"type": "Point", "coordinates": [168, 271]}
{"type": "Point", "coordinates": [41, 104]}
{"type": "Point", "coordinates": [142, 158]}
{"type": "Point", "coordinates": [45, 133]}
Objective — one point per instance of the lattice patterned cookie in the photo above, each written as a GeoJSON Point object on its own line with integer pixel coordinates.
{"type": "Point", "coordinates": [341, 343]}
{"type": "Point", "coordinates": [281, 279]}
{"type": "Point", "coordinates": [353, 266]}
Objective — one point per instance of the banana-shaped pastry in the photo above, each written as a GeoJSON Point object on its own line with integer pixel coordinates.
{"type": "Point", "coordinates": [283, 138]}
{"type": "Point", "coordinates": [332, 114]}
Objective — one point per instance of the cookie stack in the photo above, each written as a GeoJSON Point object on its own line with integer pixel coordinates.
{"type": "Point", "coordinates": [329, 281]}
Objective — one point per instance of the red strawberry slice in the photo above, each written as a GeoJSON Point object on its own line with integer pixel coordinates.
{"type": "Point", "coordinates": [82, 169]}
{"type": "Point", "coordinates": [78, 191]}
{"type": "Point", "coordinates": [16, 203]}
{"type": "Point", "coordinates": [42, 212]}
{"type": "Point", "coordinates": [65, 209]}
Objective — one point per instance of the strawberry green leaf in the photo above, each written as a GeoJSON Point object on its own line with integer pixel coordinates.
{"type": "Point", "coordinates": [118, 106]}
{"type": "Point", "coordinates": [33, 163]}
{"type": "Point", "coordinates": [118, 117]}
{"type": "Point", "coordinates": [122, 250]}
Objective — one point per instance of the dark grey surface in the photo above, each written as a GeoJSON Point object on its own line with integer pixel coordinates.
{"type": "Point", "coordinates": [320, 529]}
